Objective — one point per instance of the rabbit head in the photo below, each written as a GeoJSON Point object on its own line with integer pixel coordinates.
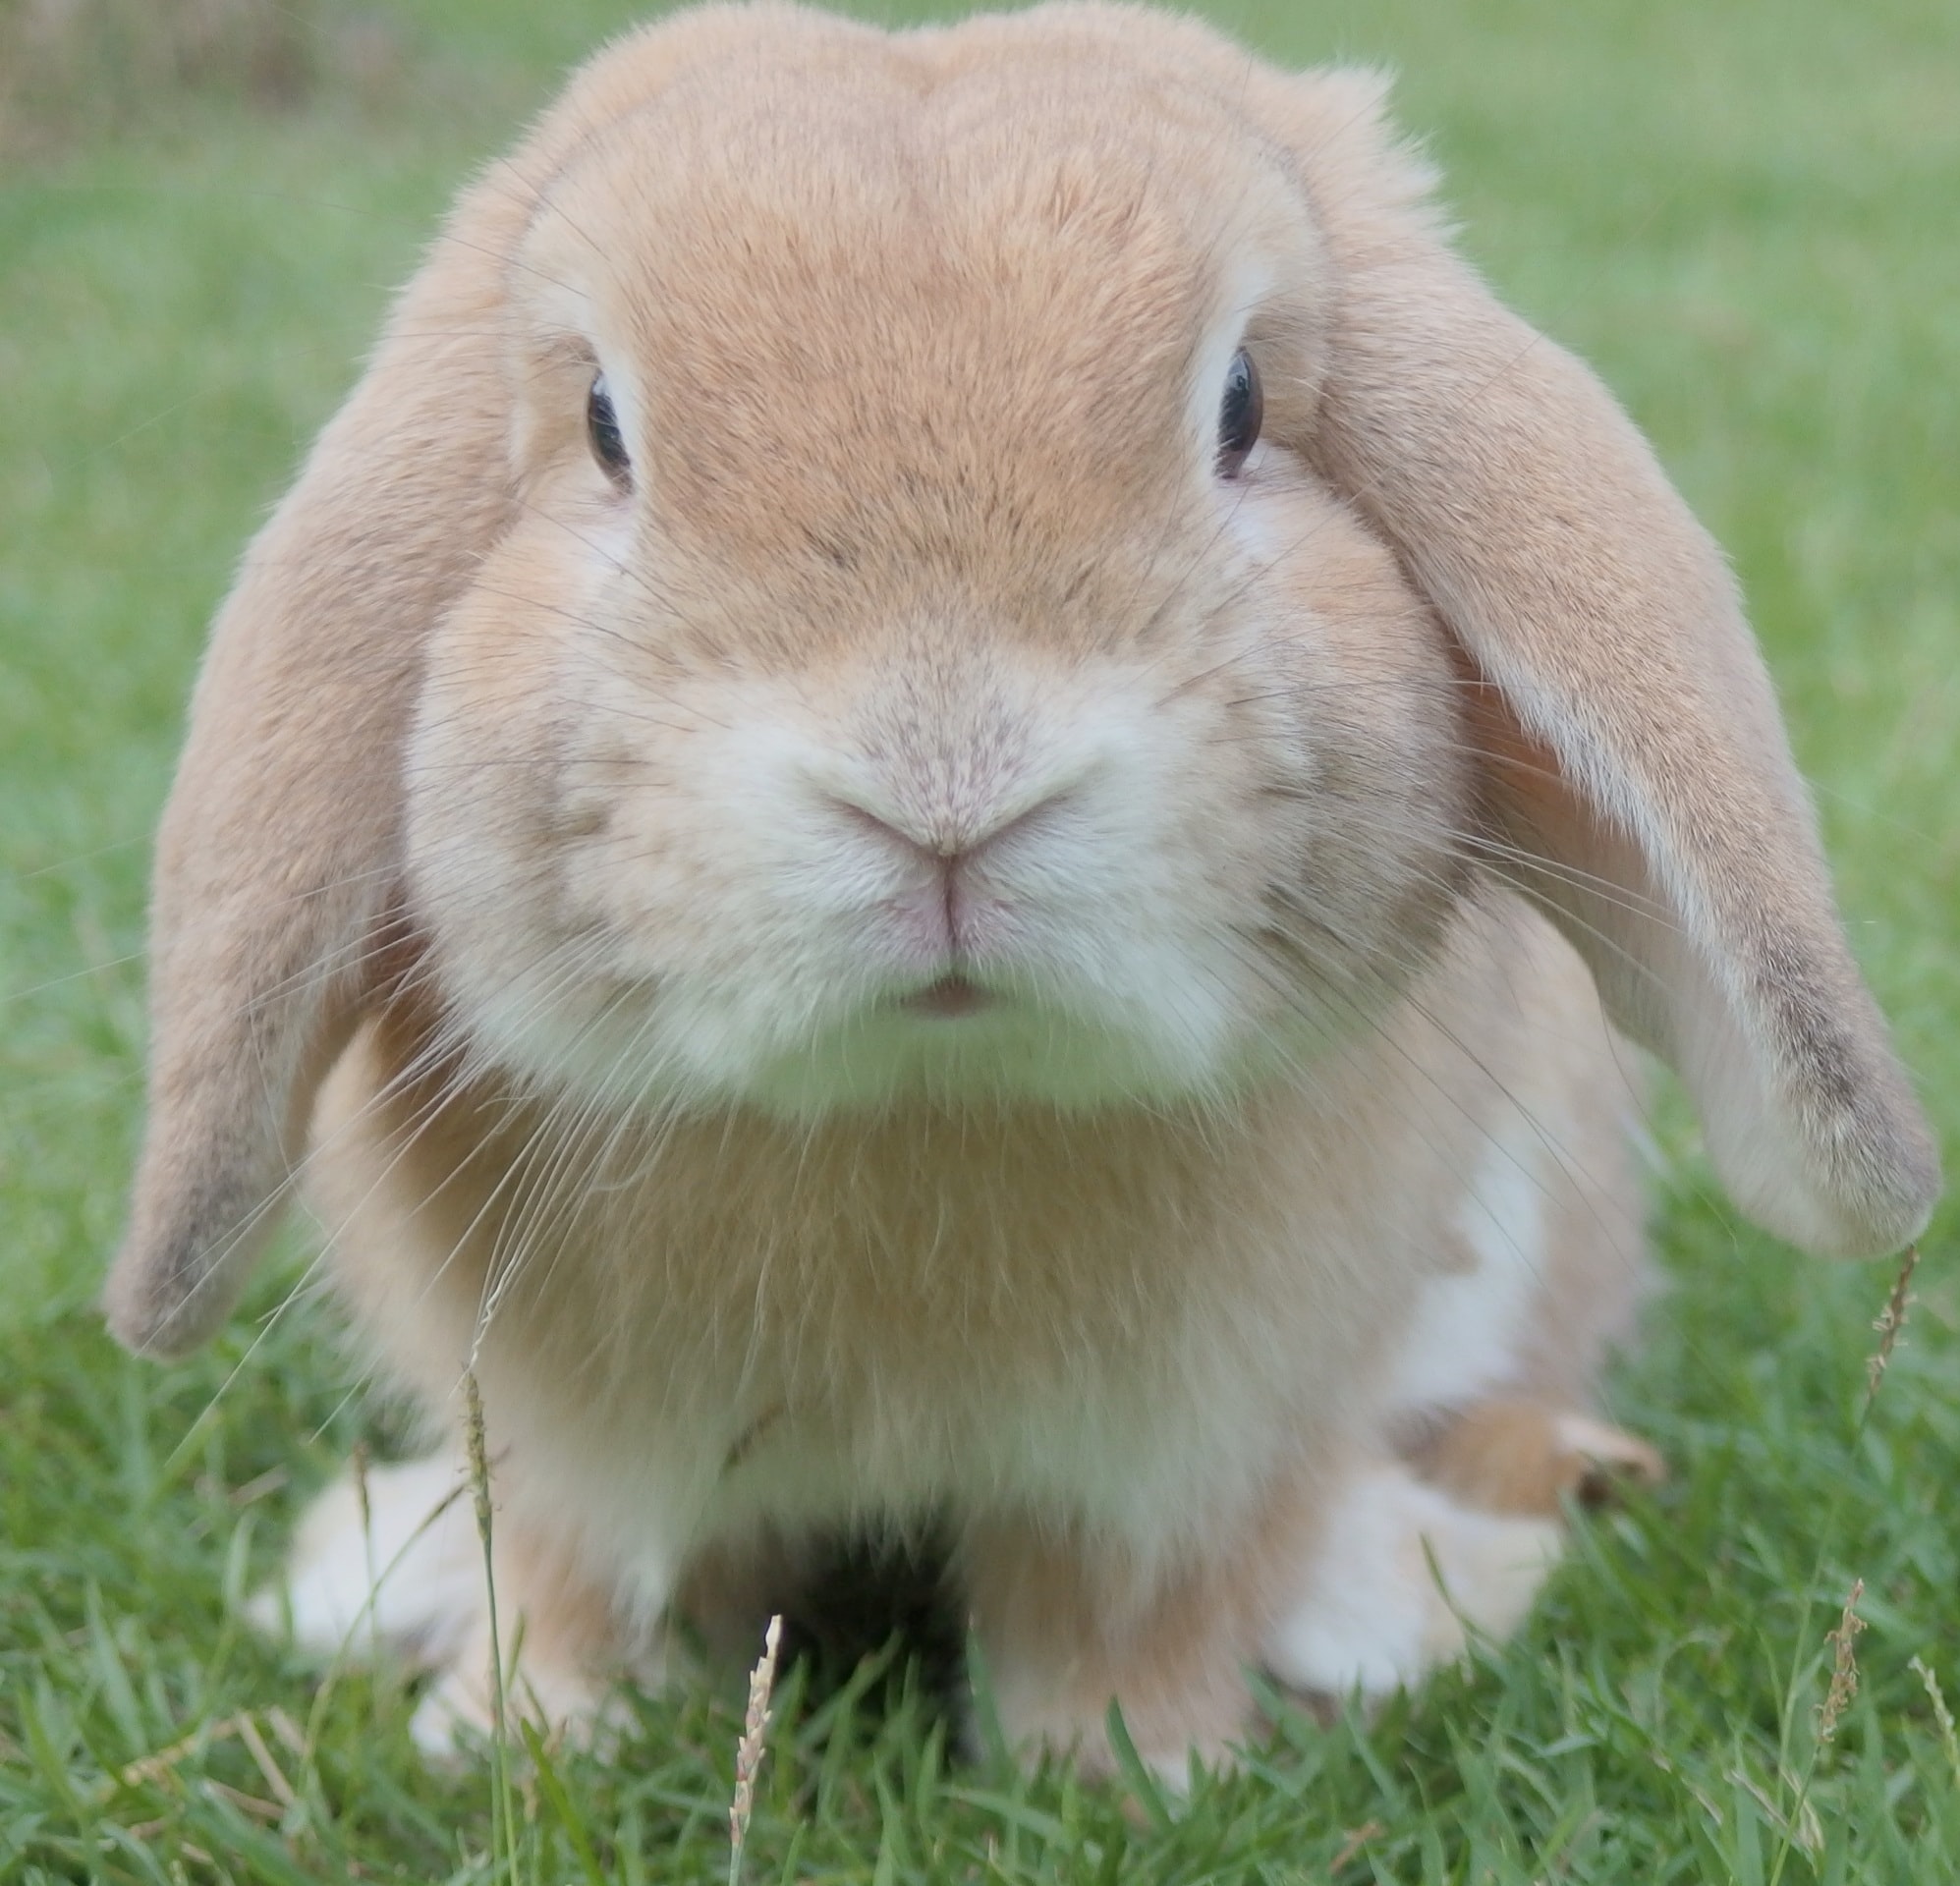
{"type": "Point", "coordinates": [998, 564]}
{"type": "Point", "coordinates": [889, 625]}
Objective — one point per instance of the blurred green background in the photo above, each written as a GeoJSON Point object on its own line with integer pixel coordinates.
{"type": "Point", "coordinates": [1746, 215]}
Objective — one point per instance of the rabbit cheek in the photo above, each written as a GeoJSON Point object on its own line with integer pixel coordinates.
{"type": "Point", "coordinates": [1357, 780]}
{"type": "Point", "coordinates": [494, 815]}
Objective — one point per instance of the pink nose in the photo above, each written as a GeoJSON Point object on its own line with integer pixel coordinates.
{"type": "Point", "coordinates": [939, 912]}
{"type": "Point", "coordinates": [951, 836]}
{"type": "Point", "coordinates": [945, 914]}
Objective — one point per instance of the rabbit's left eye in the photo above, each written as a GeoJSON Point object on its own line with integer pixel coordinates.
{"type": "Point", "coordinates": [602, 427]}
{"type": "Point", "coordinates": [1239, 414]}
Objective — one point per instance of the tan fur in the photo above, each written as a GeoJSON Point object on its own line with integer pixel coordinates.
{"type": "Point", "coordinates": [578, 835]}
{"type": "Point", "coordinates": [1523, 1457]}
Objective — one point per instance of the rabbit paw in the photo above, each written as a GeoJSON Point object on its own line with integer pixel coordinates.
{"type": "Point", "coordinates": [394, 1573]}
{"type": "Point", "coordinates": [1401, 1576]}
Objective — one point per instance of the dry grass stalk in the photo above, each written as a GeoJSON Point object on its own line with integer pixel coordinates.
{"type": "Point", "coordinates": [262, 1756]}
{"type": "Point", "coordinates": [358, 1465]}
{"type": "Point", "coordinates": [156, 1767]}
{"type": "Point", "coordinates": [1891, 1320]}
{"type": "Point", "coordinates": [1353, 1841]}
{"type": "Point", "coordinates": [1800, 1827]}
{"type": "Point", "coordinates": [266, 1811]}
{"type": "Point", "coordinates": [473, 1433]}
{"type": "Point", "coordinates": [750, 1749]}
{"type": "Point", "coordinates": [1944, 1716]}
{"type": "Point", "coordinates": [1843, 1667]}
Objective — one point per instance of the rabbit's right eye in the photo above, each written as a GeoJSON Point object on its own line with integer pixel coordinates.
{"type": "Point", "coordinates": [602, 427]}
{"type": "Point", "coordinates": [1240, 414]}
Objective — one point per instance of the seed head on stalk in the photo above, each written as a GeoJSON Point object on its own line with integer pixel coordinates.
{"type": "Point", "coordinates": [750, 1749]}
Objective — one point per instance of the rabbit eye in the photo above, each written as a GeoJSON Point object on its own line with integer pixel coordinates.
{"type": "Point", "coordinates": [1239, 414]}
{"type": "Point", "coordinates": [602, 427]}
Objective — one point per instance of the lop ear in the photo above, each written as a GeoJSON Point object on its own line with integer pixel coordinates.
{"type": "Point", "coordinates": [281, 843]}
{"type": "Point", "coordinates": [1641, 786]}
{"type": "Point", "coordinates": [280, 850]}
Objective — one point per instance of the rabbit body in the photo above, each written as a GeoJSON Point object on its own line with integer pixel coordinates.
{"type": "Point", "coordinates": [1136, 1362]}
{"type": "Point", "coordinates": [904, 907]}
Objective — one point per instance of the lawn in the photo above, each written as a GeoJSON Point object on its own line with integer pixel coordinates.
{"type": "Point", "coordinates": [1745, 216]}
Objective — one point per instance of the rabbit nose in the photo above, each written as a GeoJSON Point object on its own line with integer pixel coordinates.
{"type": "Point", "coordinates": [949, 913]}
{"type": "Point", "coordinates": [949, 838]}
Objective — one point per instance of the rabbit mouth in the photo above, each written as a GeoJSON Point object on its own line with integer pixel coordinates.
{"type": "Point", "coordinates": [947, 999]}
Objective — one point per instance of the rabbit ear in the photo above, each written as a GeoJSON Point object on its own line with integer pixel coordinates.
{"type": "Point", "coordinates": [280, 847]}
{"type": "Point", "coordinates": [1641, 786]}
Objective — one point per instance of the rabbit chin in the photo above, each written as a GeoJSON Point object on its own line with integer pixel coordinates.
{"type": "Point", "coordinates": [989, 1045]}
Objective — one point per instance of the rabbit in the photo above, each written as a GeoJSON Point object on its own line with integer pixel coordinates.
{"type": "Point", "coordinates": [960, 799]}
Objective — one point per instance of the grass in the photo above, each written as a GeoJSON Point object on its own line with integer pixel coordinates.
{"type": "Point", "coordinates": [1745, 216]}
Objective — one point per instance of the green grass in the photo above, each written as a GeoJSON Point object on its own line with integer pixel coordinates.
{"type": "Point", "coordinates": [1745, 215]}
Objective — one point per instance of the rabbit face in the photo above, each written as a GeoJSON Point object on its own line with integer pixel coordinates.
{"type": "Point", "coordinates": [907, 672]}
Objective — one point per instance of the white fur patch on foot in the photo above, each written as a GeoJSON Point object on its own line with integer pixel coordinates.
{"type": "Point", "coordinates": [405, 1581]}
{"type": "Point", "coordinates": [1402, 1573]}
{"type": "Point", "coordinates": [567, 1705]}
{"type": "Point", "coordinates": [403, 1578]}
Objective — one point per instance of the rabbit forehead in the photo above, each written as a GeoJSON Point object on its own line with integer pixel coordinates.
{"type": "Point", "coordinates": [891, 143]}
{"type": "Point", "coordinates": [801, 261]}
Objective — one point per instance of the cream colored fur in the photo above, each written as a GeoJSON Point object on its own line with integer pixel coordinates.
{"type": "Point", "coordinates": [584, 858]}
